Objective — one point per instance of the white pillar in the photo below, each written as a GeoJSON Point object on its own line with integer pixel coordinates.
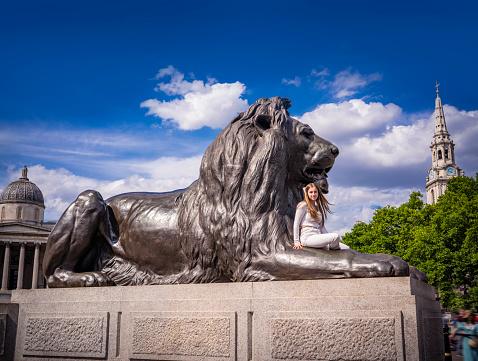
{"type": "Point", "coordinates": [36, 262]}
{"type": "Point", "coordinates": [6, 266]}
{"type": "Point", "coordinates": [21, 266]}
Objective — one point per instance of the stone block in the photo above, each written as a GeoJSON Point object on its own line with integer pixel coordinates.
{"type": "Point", "coordinates": [185, 335]}
{"type": "Point", "coordinates": [347, 319]}
{"type": "Point", "coordinates": [3, 332]}
{"type": "Point", "coordinates": [64, 335]}
{"type": "Point", "coordinates": [311, 336]}
{"type": "Point", "coordinates": [8, 329]}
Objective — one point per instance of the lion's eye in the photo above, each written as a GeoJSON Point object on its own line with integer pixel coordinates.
{"type": "Point", "coordinates": [309, 133]}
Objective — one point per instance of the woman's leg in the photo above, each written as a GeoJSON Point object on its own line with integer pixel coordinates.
{"type": "Point", "coordinates": [321, 240]}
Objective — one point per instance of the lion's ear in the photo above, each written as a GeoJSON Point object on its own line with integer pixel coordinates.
{"type": "Point", "coordinates": [262, 122]}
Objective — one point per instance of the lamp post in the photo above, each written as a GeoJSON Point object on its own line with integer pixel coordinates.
{"type": "Point", "coordinates": [446, 340]}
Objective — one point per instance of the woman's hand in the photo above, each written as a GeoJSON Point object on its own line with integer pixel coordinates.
{"type": "Point", "coordinates": [298, 245]}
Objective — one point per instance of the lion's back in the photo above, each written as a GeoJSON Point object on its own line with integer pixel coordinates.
{"type": "Point", "coordinates": [145, 207]}
{"type": "Point", "coordinates": [148, 230]}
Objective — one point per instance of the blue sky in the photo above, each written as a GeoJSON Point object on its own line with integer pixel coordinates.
{"type": "Point", "coordinates": [78, 80]}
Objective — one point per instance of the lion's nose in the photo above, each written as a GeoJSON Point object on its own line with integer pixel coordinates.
{"type": "Point", "coordinates": [334, 150]}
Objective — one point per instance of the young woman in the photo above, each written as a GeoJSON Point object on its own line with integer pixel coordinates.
{"type": "Point", "coordinates": [469, 330]}
{"type": "Point", "coordinates": [309, 229]}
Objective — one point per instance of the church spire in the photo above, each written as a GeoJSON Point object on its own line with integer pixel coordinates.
{"type": "Point", "coordinates": [440, 124]}
{"type": "Point", "coordinates": [443, 156]}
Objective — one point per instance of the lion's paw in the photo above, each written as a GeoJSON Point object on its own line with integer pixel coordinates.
{"type": "Point", "coordinates": [66, 278]}
{"type": "Point", "coordinates": [95, 279]}
{"type": "Point", "coordinates": [417, 274]}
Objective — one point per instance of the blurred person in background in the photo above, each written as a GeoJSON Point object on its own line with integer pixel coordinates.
{"type": "Point", "coordinates": [468, 329]}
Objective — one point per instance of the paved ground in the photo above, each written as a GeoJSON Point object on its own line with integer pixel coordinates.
{"type": "Point", "coordinates": [455, 357]}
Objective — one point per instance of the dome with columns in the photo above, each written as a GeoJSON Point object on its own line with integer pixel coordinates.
{"type": "Point", "coordinates": [23, 235]}
{"type": "Point", "coordinates": [22, 191]}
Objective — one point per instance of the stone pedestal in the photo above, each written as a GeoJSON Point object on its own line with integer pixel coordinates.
{"type": "Point", "coordinates": [348, 319]}
{"type": "Point", "coordinates": [8, 327]}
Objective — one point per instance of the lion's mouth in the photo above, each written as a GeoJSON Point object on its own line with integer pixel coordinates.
{"type": "Point", "coordinates": [316, 173]}
{"type": "Point", "coordinates": [318, 176]}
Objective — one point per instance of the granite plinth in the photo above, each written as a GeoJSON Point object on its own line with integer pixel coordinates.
{"type": "Point", "coordinates": [348, 319]}
{"type": "Point", "coordinates": [8, 329]}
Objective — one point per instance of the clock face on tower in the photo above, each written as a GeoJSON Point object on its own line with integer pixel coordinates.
{"type": "Point", "coordinates": [450, 171]}
{"type": "Point", "coordinates": [432, 174]}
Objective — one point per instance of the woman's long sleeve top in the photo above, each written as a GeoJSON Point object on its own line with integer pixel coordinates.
{"type": "Point", "coordinates": [303, 218]}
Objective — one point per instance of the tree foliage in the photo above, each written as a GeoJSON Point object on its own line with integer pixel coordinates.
{"type": "Point", "coordinates": [439, 239]}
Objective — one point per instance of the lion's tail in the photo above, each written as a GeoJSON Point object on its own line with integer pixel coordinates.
{"type": "Point", "coordinates": [125, 273]}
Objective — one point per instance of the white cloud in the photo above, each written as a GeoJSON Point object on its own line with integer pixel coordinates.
{"type": "Point", "coordinates": [322, 73]}
{"type": "Point", "coordinates": [169, 71]}
{"type": "Point", "coordinates": [200, 104]}
{"type": "Point", "coordinates": [177, 84]}
{"type": "Point", "coordinates": [321, 83]}
{"type": "Point", "coordinates": [45, 137]}
{"type": "Point", "coordinates": [296, 81]}
{"type": "Point", "coordinates": [169, 166]}
{"type": "Point", "coordinates": [399, 146]}
{"type": "Point", "coordinates": [349, 118]}
{"type": "Point", "coordinates": [354, 204]}
{"type": "Point", "coordinates": [343, 84]}
{"type": "Point", "coordinates": [346, 83]}
{"type": "Point", "coordinates": [463, 128]}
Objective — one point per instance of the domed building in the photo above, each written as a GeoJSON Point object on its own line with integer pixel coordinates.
{"type": "Point", "coordinates": [23, 234]}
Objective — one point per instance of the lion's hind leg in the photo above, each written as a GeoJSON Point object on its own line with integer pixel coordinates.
{"type": "Point", "coordinates": [75, 247]}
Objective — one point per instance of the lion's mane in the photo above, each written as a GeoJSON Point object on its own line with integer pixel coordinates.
{"type": "Point", "coordinates": [242, 203]}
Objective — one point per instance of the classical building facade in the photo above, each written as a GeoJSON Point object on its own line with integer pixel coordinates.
{"type": "Point", "coordinates": [443, 157]}
{"type": "Point", "coordinates": [23, 235]}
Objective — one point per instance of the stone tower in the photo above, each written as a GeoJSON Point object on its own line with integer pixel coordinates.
{"type": "Point", "coordinates": [443, 157]}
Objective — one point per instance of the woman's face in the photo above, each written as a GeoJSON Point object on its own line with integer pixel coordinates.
{"type": "Point", "coordinates": [313, 193]}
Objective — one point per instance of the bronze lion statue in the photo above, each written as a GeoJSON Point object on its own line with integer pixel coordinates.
{"type": "Point", "coordinates": [233, 224]}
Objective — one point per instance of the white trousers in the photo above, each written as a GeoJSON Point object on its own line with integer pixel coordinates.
{"type": "Point", "coordinates": [311, 237]}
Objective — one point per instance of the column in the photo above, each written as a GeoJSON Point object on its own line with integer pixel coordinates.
{"type": "Point", "coordinates": [6, 267]}
{"type": "Point", "coordinates": [21, 266]}
{"type": "Point", "coordinates": [36, 263]}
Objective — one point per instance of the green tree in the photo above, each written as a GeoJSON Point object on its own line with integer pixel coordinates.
{"type": "Point", "coordinates": [439, 239]}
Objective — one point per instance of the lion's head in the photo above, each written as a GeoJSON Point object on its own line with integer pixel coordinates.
{"type": "Point", "coordinates": [250, 181]}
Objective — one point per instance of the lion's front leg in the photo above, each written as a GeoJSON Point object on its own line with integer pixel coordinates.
{"type": "Point", "coordinates": [311, 263]}
{"type": "Point", "coordinates": [401, 268]}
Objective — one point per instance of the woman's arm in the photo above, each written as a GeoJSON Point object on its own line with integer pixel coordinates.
{"type": "Point", "coordinates": [459, 327]}
{"type": "Point", "coordinates": [300, 213]}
